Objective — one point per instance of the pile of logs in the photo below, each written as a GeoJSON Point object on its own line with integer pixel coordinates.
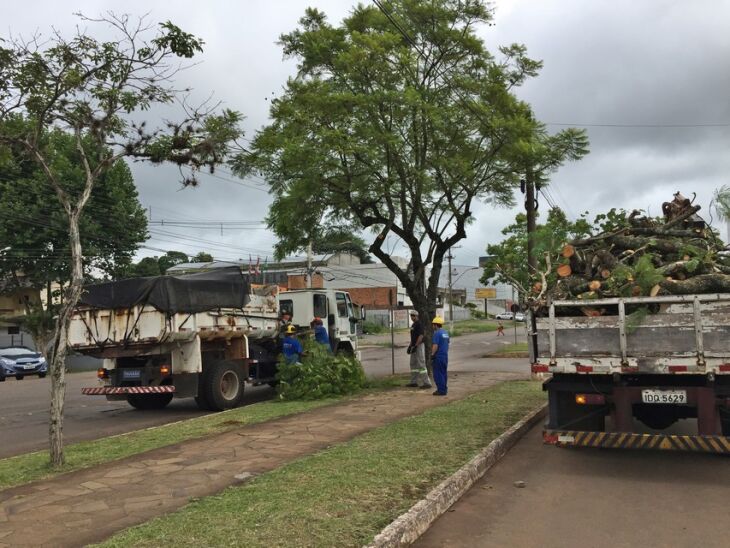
{"type": "Point", "coordinates": [674, 255]}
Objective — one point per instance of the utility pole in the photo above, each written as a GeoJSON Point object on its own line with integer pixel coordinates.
{"type": "Point", "coordinates": [451, 303]}
{"type": "Point", "coordinates": [531, 211]}
{"type": "Point", "coordinates": [309, 264]}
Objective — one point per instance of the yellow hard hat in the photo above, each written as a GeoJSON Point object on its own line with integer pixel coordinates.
{"type": "Point", "coordinates": [438, 320]}
{"type": "Point", "coordinates": [290, 329]}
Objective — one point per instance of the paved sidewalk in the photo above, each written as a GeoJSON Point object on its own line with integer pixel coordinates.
{"type": "Point", "coordinates": [89, 505]}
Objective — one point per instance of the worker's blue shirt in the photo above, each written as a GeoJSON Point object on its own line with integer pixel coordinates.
{"type": "Point", "coordinates": [291, 348]}
{"type": "Point", "coordinates": [321, 336]}
{"type": "Point", "coordinates": [441, 339]}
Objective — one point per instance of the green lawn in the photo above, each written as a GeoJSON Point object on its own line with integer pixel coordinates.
{"type": "Point", "coordinates": [34, 466]}
{"type": "Point", "coordinates": [466, 327]}
{"type": "Point", "coordinates": [345, 495]}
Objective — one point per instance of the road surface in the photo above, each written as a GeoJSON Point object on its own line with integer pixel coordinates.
{"type": "Point", "coordinates": [24, 404]}
{"type": "Point", "coordinates": [590, 497]}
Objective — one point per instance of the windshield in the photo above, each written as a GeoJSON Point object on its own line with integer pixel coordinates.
{"type": "Point", "coordinates": [16, 352]}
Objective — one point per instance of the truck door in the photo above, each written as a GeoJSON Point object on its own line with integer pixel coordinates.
{"type": "Point", "coordinates": [345, 313]}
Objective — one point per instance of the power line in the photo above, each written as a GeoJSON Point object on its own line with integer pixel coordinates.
{"type": "Point", "coordinates": [658, 126]}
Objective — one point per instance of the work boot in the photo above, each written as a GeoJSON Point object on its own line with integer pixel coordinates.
{"type": "Point", "coordinates": [411, 385]}
{"type": "Point", "coordinates": [425, 387]}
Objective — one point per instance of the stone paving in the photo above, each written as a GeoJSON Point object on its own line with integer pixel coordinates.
{"type": "Point", "coordinates": [89, 505]}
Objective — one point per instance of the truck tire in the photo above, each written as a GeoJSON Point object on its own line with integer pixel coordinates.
{"type": "Point", "coordinates": [221, 386]}
{"type": "Point", "coordinates": [149, 401]}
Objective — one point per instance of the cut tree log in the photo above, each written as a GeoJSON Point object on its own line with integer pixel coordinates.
{"type": "Point", "coordinates": [594, 285]}
{"type": "Point", "coordinates": [568, 251]}
{"type": "Point", "coordinates": [564, 270]}
{"type": "Point", "coordinates": [704, 283]}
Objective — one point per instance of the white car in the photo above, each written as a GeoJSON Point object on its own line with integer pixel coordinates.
{"type": "Point", "coordinates": [520, 317]}
{"type": "Point", "coordinates": [504, 316]}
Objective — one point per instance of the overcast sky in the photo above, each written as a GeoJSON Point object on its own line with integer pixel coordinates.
{"type": "Point", "coordinates": [649, 80]}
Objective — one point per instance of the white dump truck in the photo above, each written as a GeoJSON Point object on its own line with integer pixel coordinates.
{"type": "Point", "coordinates": [200, 335]}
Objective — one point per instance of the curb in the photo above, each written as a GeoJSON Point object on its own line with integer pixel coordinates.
{"type": "Point", "coordinates": [409, 526]}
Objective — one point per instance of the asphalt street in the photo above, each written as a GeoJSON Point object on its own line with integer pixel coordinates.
{"type": "Point", "coordinates": [590, 497]}
{"type": "Point", "coordinates": [24, 404]}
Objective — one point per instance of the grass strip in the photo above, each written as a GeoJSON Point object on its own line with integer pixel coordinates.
{"type": "Point", "coordinates": [345, 495]}
{"type": "Point", "coordinates": [515, 349]}
{"type": "Point", "coordinates": [467, 327]}
{"type": "Point", "coordinates": [34, 466]}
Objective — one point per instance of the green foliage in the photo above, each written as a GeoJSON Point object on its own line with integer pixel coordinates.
{"type": "Point", "coordinates": [508, 259]}
{"type": "Point", "coordinates": [611, 221]}
{"type": "Point", "coordinates": [371, 136]}
{"type": "Point", "coordinates": [320, 374]}
{"type": "Point", "coordinates": [721, 199]}
{"type": "Point", "coordinates": [373, 328]}
{"type": "Point", "coordinates": [645, 275]}
{"type": "Point", "coordinates": [636, 318]}
{"type": "Point", "coordinates": [35, 226]}
{"type": "Point", "coordinates": [202, 257]}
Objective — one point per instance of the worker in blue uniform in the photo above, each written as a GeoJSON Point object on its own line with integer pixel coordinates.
{"type": "Point", "coordinates": [290, 346]}
{"type": "Point", "coordinates": [439, 355]}
{"type": "Point", "coordinates": [320, 333]}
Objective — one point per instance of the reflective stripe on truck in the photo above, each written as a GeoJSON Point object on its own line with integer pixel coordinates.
{"type": "Point", "coordinates": [105, 390]}
{"type": "Point", "coordinates": [627, 440]}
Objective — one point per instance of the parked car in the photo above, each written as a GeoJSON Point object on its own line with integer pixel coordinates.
{"type": "Point", "coordinates": [520, 317]}
{"type": "Point", "coordinates": [20, 361]}
{"type": "Point", "coordinates": [505, 316]}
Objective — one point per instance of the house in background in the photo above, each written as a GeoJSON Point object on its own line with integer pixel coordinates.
{"type": "Point", "coordinates": [12, 309]}
{"type": "Point", "coordinates": [465, 282]}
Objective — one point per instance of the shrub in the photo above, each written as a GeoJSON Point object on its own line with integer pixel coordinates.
{"type": "Point", "coordinates": [319, 375]}
{"type": "Point", "coordinates": [373, 328]}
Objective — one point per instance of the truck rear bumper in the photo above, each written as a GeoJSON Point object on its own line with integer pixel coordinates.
{"type": "Point", "coordinates": [627, 440]}
{"type": "Point", "coordinates": [116, 390]}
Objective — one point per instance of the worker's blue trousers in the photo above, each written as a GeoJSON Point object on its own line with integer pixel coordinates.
{"type": "Point", "coordinates": [440, 374]}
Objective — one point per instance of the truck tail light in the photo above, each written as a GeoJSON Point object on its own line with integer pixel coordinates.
{"type": "Point", "coordinates": [165, 370]}
{"type": "Point", "coordinates": [590, 399]}
{"type": "Point", "coordinates": [102, 373]}
{"type": "Point", "coordinates": [539, 368]}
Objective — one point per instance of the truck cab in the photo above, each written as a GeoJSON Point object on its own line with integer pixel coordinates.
{"type": "Point", "coordinates": [334, 307]}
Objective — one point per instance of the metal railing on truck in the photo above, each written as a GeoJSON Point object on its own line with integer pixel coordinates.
{"type": "Point", "coordinates": [687, 334]}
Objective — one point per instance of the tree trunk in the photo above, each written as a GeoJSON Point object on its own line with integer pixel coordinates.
{"type": "Point", "coordinates": [58, 358]}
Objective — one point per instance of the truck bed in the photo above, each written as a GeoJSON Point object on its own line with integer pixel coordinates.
{"type": "Point", "coordinates": [678, 334]}
{"type": "Point", "coordinates": [105, 332]}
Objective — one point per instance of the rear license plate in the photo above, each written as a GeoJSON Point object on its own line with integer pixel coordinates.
{"type": "Point", "coordinates": [664, 396]}
{"type": "Point", "coordinates": [131, 374]}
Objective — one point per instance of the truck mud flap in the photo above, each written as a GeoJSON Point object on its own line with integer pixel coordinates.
{"type": "Point", "coordinates": [625, 440]}
{"type": "Point", "coordinates": [116, 390]}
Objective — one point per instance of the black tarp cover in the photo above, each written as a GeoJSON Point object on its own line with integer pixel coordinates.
{"type": "Point", "coordinates": [188, 293]}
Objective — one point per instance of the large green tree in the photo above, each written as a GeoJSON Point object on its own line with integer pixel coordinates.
{"type": "Point", "coordinates": [507, 261]}
{"type": "Point", "coordinates": [36, 228]}
{"type": "Point", "coordinates": [398, 122]}
{"type": "Point", "coordinates": [98, 92]}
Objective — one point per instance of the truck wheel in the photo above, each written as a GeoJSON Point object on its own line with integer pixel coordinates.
{"type": "Point", "coordinates": [222, 386]}
{"type": "Point", "coordinates": [149, 401]}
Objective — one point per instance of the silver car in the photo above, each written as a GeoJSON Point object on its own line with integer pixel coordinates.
{"type": "Point", "coordinates": [19, 362]}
